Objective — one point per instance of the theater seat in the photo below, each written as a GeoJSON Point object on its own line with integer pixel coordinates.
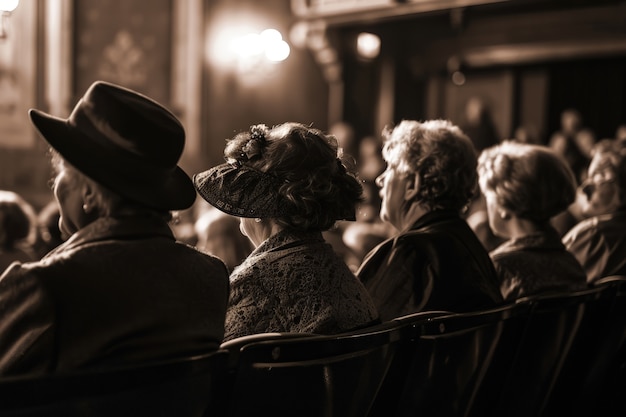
{"type": "Point", "coordinates": [591, 355]}
{"type": "Point", "coordinates": [537, 359]}
{"type": "Point", "coordinates": [317, 376]}
{"type": "Point", "coordinates": [442, 362]}
{"type": "Point", "coordinates": [178, 388]}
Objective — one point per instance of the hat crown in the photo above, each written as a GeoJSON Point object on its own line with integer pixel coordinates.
{"type": "Point", "coordinates": [124, 141]}
{"type": "Point", "coordinates": [130, 122]}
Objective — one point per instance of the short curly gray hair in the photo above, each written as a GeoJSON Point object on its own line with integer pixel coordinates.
{"type": "Point", "coordinates": [441, 155]}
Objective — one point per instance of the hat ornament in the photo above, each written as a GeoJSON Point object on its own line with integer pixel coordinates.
{"type": "Point", "coordinates": [254, 147]}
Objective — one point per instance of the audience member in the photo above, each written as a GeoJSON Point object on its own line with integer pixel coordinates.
{"type": "Point", "coordinates": [478, 124]}
{"type": "Point", "coordinates": [435, 262]}
{"type": "Point", "coordinates": [599, 241]}
{"type": "Point", "coordinates": [17, 230]}
{"type": "Point", "coordinates": [288, 186]}
{"type": "Point", "coordinates": [526, 134]}
{"type": "Point", "coordinates": [564, 142]}
{"type": "Point", "coordinates": [525, 186]}
{"type": "Point", "coordinates": [49, 236]}
{"type": "Point", "coordinates": [346, 138]}
{"type": "Point", "coordinates": [218, 234]}
{"type": "Point", "coordinates": [361, 237]}
{"type": "Point", "coordinates": [120, 290]}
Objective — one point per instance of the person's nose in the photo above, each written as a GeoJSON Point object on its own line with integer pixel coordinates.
{"type": "Point", "coordinates": [379, 180]}
{"type": "Point", "coordinates": [587, 188]}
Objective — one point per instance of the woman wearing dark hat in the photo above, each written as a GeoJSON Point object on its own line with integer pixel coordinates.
{"type": "Point", "coordinates": [288, 185]}
{"type": "Point", "coordinates": [120, 290]}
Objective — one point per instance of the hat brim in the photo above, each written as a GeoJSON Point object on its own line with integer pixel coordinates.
{"type": "Point", "coordinates": [241, 191]}
{"type": "Point", "coordinates": [101, 163]}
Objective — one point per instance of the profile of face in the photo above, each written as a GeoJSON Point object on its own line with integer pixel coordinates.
{"type": "Point", "coordinates": [601, 187]}
{"type": "Point", "coordinates": [394, 192]}
{"type": "Point", "coordinates": [69, 196]}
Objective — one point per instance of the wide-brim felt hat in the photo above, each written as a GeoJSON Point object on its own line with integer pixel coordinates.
{"type": "Point", "coordinates": [242, 191]}
{"type": "Point", "coordinates": [125, 141]}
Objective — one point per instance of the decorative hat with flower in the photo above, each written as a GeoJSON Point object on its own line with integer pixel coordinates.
{"type": "Point", "coordinates": [252, 149]}
{"type": "Point", "coordinates": [239, 189]}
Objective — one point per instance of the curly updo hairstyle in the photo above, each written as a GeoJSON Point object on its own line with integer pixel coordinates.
{"type": "Point", "coordinates": [316, 183]}
{"type": "Point", "coordinates": [531, 181]}
{"type": "Point", "coordinates": [441, 155]}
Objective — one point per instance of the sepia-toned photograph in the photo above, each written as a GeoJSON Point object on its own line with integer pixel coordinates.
{"type": "Point", "coordinates": [312, 208]}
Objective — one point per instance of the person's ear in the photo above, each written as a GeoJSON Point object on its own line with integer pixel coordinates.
{"type": "Point", "coordinates": [412, 186]}
{"type": "Point", "coordinates": [89, 198]}
{"type": "Point", "coordinates": [504, 214]}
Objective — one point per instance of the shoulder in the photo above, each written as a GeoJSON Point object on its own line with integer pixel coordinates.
{"type": "Point", "coordinates": [23, 282]}
{"type": "Point", "coordinates": [450, 235]}
{"type": "Point", "coordinates": [201, 256]}
{"type": "Point", "coordinates": [586, 229]}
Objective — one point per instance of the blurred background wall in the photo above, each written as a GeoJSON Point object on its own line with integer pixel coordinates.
{"type": "Point", "coordinates": [360, 64]}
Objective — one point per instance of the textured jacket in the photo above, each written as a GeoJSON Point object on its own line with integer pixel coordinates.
{"type": "Point", "coordinates": [439, 264]}
{"type": "Point", "coordinates": [295, 282]}
{"type": "Point", "coordinates": [536, 263]}
{"type": "Point", "coordinates": [118, 292]}
{"type": "Point", "coordinates": [599, 244]}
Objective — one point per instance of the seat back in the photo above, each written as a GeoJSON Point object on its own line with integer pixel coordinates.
{"type": "Point", "coordinates": [178, 388]}
{"type": "Point", "coordinates": [591, 355]}
{"type": "Point", "coordinates": [610, 401]}
{"type": "Point", "coordinates": [317, 376]}
{"type": "Point", "coordinates": [533, 367]}
{"type": "Point", "coordinates": [445, 361]}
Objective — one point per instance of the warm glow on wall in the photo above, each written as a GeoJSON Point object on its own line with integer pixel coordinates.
{"type": "Point", "coordinates": [8, 5]}
{"type": "Point", "coordinates": [368, 45]}
{"type": "Point", "coordinates": [245, 49]}
{"type": "Point", "coordinates": [268, 44]}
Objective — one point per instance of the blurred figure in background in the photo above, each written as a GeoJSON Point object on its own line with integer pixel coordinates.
{"type": "Point", "coordinates": [478, 219]}
{"type": "Point", "coordinates": [524, 187]}
{"type": "Point", "coordinates": [346, 139]}
{"type": "Point", "coordinates": [368, 230]}
{"type": "Point", "coordinates": [49, 232]}
{"type": "Point", "coordinates": [479, 124]}
{"type": "Point", "coordinates": [526, 134]}
{"type": "Point", "coordinates": [18, 232]}
{"type": "Point", "coordinates": [219, 235]}
{"type": "Point", "coordinates": [435, 261]}
{"type": "Point", "coordinates": [565, 142]}
{"type": "Point", "coordinates": [599, 241]}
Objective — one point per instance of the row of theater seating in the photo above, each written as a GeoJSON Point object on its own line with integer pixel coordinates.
{"type": "Point", "coordinates": [554, 354]}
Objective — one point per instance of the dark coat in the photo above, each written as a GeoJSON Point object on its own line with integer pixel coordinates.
{"type": "Point", "coordinates": [439, 264]}
{"type": "Point", "coordinates": [599, 244]}
{"type": "Point", "coordinates": [535, 264]}
{"type": "Point", "coordinates": [118, 292]}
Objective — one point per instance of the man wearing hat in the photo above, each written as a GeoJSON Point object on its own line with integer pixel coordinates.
{"type": "Point", "coordinates": [121, 290]}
